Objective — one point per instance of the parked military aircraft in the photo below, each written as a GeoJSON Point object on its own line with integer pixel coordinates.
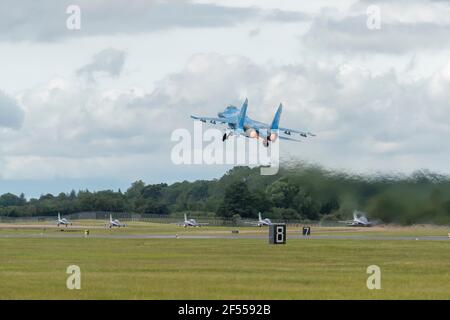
{"type": "Point", "coordinates": [261, 222]}
{"type": "Point", "coordinates": [63, 221]}
{"type": "Point", "coordinates": [190, 222]}
{"type": "Point", "coordinates": [239, 123]}
{"type": "Point", "coordinates": [359, 220]}
{"type": "Point", "coordinates": [115, 222]}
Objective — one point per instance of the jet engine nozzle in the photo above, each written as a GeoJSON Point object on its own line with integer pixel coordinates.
{"type": "Point", "coordinates": [272, 137]}
{"type": "Point", "coordinates": [251, 133]}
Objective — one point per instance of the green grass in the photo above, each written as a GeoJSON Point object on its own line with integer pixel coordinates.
{"type": "Point", "coordinates": [141, 228]}
{"type": "Point", "coordinates": [222, 269]}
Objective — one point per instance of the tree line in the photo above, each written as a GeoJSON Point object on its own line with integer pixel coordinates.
{"type": "Point", "coordinates": [298, 191]}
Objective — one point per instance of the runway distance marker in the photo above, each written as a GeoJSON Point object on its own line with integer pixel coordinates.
{"type": "Point", "coordinates": [277, 233]}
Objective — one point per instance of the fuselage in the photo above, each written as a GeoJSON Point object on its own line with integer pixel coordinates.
{"type": "Point", "coordinates": [115, 223]}
{"type": "Point", "coordinates": [360, 222]}
{"type": "Point", "coordinates": [231, 114]}
{"type": "Point", "coordinates": [264, 222]}
{"type": "Point", "coordinates": [190, 223]}
{"type": "Point", "coordinates": [63, 221]}
{"type": "Point", "coordinates": [357, 223]}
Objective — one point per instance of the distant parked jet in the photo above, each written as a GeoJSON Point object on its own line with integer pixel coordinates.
{"type": "Point", "coordinates": [240, 124]}
{"type": "Point", "coordinates": [115, 222]}
{"type": "Point", "coordinates": [63, 221]}
{"type": "Point", "coordinates": [191, 222]}
{"type": "Point", "coordinates": [261, 222]}
{"type": "Point", "coordinates": [359, 220]}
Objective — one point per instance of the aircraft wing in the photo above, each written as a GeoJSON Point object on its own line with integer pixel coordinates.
{"type": "Point", "coordinates": [302, 133]}
{"type": "Point", "coordinates": [287, 131]}
{"type": "Point", "coordinates": [212, 119]}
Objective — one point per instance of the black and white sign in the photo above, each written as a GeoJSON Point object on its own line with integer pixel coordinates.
{"type": "Point", "coordinates": [277, 233]}
{"type": "Point", "coordinates": [306, 231]}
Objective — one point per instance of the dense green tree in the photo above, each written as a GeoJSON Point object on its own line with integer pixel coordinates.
{"type": "Point", "coordinates": [9, 199]}
{"type": "Point", "coordinates": [153, 191]}
{"type": "Point", "coordinates": [298, 191]}
{"type": "Point", "coordinates": [135, 190]}
{"type": "Point", "coordinates": [237, 200]}
{"type": "Point", "coordinates": [285, 214]}
{"type": "Point", "coordinates": [282, 193]}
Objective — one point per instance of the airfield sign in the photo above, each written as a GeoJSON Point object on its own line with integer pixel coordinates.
{"type": "Point", "coordinates": [277, 233]}
{"type": "Point", "coordinates": [306, 231]}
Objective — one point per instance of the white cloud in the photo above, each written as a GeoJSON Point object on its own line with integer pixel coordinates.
{"type": "Point", "coordinates": [11, 114]}
{"type": "Point", "coordinates": [106, 62]}
{"type": "Point", "coordinates": [362, 120]}
{"type": "Point", "coordinates": [45, 20]}
{"type": "Point", "coordinates": [378, 100]}
{"type": "Point", "coordinates": [405, 26]}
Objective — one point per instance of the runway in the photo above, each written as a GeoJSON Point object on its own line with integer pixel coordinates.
{"type": "Point", "coordinates": [261, 237]}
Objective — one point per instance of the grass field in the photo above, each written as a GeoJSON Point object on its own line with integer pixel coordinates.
{"type": "Point", "coordinates": [35, 268]}
{"type": "Point", "coordinates": [142, 228]}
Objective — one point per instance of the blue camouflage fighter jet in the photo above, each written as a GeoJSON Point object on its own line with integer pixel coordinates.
{"type": "Point", "coordinates": [239, 123]}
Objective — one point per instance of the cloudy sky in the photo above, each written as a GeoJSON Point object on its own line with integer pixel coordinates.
{"type": "Point", "coordinates": [94, 108]}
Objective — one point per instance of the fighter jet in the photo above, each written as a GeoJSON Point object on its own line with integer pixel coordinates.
{"type": "Point", "coordinates": [115, 222]}
{"type": "Point", "coordinates": [238, 123]}
{"type": "Point", "coordinates": [359, 220]}
{"type": "Point", "coordinates": [261, 222]}
{"type": "Point", "coordinates": [63, 221]}
{"type": "Point", "coordinates": [190, 223]}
